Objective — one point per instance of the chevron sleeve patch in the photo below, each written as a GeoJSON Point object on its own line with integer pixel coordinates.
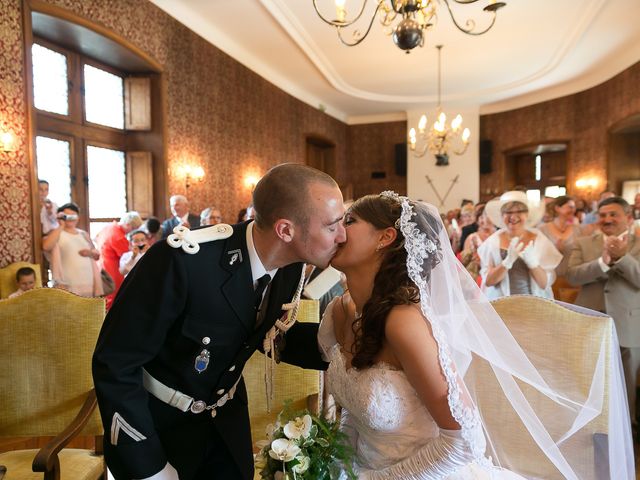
{"type": "Point", "coordinates": [117, 424]}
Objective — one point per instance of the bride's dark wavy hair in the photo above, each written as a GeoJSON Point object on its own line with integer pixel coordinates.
{"type": "Point", "coordinates": [392, 285]}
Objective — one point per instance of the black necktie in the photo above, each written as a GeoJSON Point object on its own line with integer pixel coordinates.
{"type": "Point", "coordinates": [262, 285]}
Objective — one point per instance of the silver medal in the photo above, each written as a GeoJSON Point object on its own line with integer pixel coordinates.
{"type": "Point", "coordinates": [202, 361]}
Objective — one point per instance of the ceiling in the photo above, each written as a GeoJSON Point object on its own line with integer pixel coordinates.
{"type": "Point", "coordinates": [536, 51]}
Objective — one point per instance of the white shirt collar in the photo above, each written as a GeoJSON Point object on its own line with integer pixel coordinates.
{"type": "Point", "coordinates": [184, 219]}
{"type": "Point", "coordinates": [257, 268]}
{"type": "Point", "coordinates": [619, 237]}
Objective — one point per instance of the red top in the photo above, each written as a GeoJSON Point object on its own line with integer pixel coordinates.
{"type": "Point", "coordinates": [113, 244]}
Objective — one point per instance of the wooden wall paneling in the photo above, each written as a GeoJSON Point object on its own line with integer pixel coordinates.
{"type": "Point", "coordinates": [140, 183]}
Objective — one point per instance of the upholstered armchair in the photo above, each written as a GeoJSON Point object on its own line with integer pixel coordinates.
{"type": "Point", "coordinates": [567, 339]}
{"type": "Point", "coordinates": [8, 277]}
{"type": "Point", "coordinates": [46, 388]}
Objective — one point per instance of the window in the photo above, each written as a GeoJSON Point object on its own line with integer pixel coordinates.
{"type": "Point", "coordinates": [104, 98]}
{"type": "Point", "coordinates": [107, 186]}
{"type": "Point", "coordinates": [81, 141]}
{"type": "Point", "coordinates": [50, 80]}
{"type": "Point", "coordinates": [53, 158]}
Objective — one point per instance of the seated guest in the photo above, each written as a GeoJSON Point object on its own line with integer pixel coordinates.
{"type": "Point", "coordinates": [153, 229]}
{"type": "Point", "coordinates": [210, 216]}
{"type": "Point", "coordinates": [607, 266]}
{"type": "Point", "coordinates": [636, 207]}
{"type": "Point", "coordinates": [113, 243]}
{"type": "Point", "coordinates": [517, 259]}
{"type": "Point", "coordinates": [73, 255]}
{"type": "Point", "coordinates": [26, 280]}
{"type": "Point", "coordinates": [138, 245]}
{"type": "Point", "coordinates": [181, 216]}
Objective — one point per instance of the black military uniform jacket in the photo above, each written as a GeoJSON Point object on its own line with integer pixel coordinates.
{"type": "Point", "coordinates": [170, 307]}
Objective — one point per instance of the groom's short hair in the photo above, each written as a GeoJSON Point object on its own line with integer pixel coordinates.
{"type": "Point", "coordinates": [283, 192]}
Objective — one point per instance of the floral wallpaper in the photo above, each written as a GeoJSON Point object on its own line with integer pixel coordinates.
{"type": "Point", "coordinates": [220, 115]}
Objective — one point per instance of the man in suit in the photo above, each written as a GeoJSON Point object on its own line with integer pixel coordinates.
{"type": "Point", "coordinates": [181, 216]}
{"type": "Point", "coordinates": [168, 362]}
{"type": "Point", "coordinates": [607, 266]}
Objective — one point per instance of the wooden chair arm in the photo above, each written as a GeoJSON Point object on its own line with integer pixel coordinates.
{"type": "Point", "coordinates": [46, 460]}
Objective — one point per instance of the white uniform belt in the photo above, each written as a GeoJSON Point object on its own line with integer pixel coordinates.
{"type": "Point", "coordinates": [180, 400]}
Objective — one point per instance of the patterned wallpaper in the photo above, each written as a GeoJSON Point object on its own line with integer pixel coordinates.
{"type": "Point", "coordinates": [583, 119]}
{"type": "Point", "coordinates": [371, 149]}
{"type": "Point", "coordinates": [220, 115]}
{"type": "Point", "coordinates": [15, 218]}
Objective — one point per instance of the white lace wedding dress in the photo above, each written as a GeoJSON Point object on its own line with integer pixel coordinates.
{"type": "Point", "coordinates": [387, 423]}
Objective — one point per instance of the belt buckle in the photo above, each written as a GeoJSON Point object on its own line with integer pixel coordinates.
{"type": "Point", "coordinates": [198, 406]}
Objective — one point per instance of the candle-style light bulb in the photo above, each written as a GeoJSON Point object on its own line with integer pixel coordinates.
{"type": "Point", "coordinates": [341, 12]}
{"type": "Point", "coordinates": [422, 124]}
{"type": "Point", "coordinates": [466, 133]}
{"type": "Point", "coordinates": [456, 122]}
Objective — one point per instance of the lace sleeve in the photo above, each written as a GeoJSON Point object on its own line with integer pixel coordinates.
{"type": "Point", "coordinates": [439, 458]}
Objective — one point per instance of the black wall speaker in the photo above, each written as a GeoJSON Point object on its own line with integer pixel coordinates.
{"type": "Point", "coordinates": [400, 150]}
{"type": "Point", "coordinates": [486, 154]}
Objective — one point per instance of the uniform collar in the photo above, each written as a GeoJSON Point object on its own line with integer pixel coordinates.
{"type": "Point", "coordinates": [257, 268]}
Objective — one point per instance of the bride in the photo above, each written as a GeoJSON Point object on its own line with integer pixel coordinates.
{"type": "Point", "coordinates": [399, 345]}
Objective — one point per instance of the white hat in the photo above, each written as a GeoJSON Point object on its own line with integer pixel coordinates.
{"type": "Point", "coordinates": [493, 207]}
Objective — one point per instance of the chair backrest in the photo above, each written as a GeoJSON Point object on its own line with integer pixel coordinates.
{"type": "Point", "coordinates": [48, 338]}
{"type": "Point", "coordinates": [290, 383]}
{"type": "Point", "coordinates": [564, 339]}
{"type": "Point", "coordinates": [8, 277]}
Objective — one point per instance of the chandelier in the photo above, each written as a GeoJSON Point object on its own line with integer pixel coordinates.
{"type": "Point", "coordinates": [416, 17]}
{"type": "Point", "coordinates": [439, 138]}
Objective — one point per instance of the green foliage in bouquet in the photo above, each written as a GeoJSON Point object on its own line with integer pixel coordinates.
{"type": "Point", "coordinates": [301, 446]}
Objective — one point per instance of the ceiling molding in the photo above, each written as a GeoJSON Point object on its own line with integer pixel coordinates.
{"type": "Point", "coordinates": [379, 118]}
{"type": "Point", "coordinates": [615, 64]}
{"type": "Point", "coordinates": [290, 24]}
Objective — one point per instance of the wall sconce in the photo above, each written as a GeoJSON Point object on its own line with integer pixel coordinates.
{"type": "Point", "coordinates": [191, 174]}
{"type": "Point", "coordinates": [7, 141]}
{"type": "Point", "coordinates": [251, 181]}
{"type": "Point", "coordinates": [587, 182]}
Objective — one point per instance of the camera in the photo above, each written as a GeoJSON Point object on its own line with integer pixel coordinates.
{"type": "Point", "coordinates": [71, 216]}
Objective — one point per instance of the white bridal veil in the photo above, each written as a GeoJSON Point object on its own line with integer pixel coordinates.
{"type": "Point", "coordinates": [546, 407]}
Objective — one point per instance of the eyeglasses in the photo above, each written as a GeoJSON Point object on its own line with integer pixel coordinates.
{"type": "Point", "coordinates": [515, 212]}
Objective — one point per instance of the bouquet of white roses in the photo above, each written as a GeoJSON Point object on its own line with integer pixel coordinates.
{"type": "Point", "coordinates": [301, 446]}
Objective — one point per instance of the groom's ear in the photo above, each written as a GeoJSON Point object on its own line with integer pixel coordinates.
{"type": "Point", "coordinates": [284, 229]}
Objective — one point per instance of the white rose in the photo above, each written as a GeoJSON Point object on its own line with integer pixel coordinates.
{"type": "Point", "coordinates": [303, 466]}
{"type": "Point", "coordinates": [283, 450]}
{"type": "Point", "coordinates": [300, 427]}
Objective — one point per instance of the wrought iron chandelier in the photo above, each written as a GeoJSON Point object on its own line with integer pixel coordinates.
{"type": "Point", "coordinates": [439, 138]}
{"type": "Point", "coordinates": [416, 17]}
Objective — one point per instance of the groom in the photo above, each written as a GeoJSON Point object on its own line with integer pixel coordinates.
{"type": "Point", "coordinates": [168, 362]}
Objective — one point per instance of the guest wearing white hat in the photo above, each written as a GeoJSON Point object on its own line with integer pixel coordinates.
{"type": "Point", "coordinates": [518, 258]}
